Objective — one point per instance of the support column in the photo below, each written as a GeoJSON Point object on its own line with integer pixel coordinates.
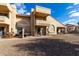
{"type": "Point", "coordinates": [5, 31]}
{"type": "Point", "coordinates": [55, 30]}
{"type": "Point", "coordinates": [66, 30]}
{"type": "Point", "coordinates": [23, 32]}
{"type": "Point", "coordinates": [41, 31]}
{"type": "Point", "coordinates": [47, 31]}
{"type": "Point", "coordinates": [36, 32]}
{"type": "Point", "coordinates": [33, 23]}
{"type": "Point", "coordinates": [11, 22]}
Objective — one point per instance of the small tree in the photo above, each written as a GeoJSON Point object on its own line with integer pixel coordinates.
{"type": "Point", "coordinates": [78, 27]}
{"type": "Point", "coordinates": [78, 23]}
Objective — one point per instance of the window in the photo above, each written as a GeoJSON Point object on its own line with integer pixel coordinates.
{"type": "Point", "coordinates": [52, 27]}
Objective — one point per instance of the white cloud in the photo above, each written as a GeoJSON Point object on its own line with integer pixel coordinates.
{"type": "Point", "coordinates": [28, 13]}
{"type": "Point", "coordinates": [21, 11]}
{"type": "Point", "coordinates": [69, 7]}
{"type": "Point", "coordinates": [75, 3]}
{"type": "Point", "coordinates": [74, 14]}
{"type": "Point", "coordinates": [21, 8]}
{"type": "Point", "coordinates": [71, 21]}
{"type": "Point", "coordinates": [20, 5]}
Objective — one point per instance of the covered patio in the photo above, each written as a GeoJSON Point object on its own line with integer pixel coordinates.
{"type": "Point", "coordinates": [60, 30]}
{"type": "Point", "coordinates": [4, 29]}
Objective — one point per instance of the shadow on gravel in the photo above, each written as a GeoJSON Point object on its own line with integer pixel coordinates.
{"type": "Point", "coordinates": [49, 47]}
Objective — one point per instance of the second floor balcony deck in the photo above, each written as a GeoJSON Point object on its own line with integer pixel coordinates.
{"type": "Point", "coordinates": [4, 19]}
{"type": "Point", "coordinates": [43, 10]}
{"type": "Point", "coordinates": [39, 22]}
{"type": "Point", "coordinates": [4, 7]}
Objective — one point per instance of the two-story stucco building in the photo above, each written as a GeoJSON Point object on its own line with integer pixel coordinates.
{"type": "Point", "coordinates": [39, 22]}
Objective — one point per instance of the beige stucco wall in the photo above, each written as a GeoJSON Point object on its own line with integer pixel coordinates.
{"type": "Point", "coordinates": [41, 21]}
{"type": "Point", "coordinates": [4, 20]}
{"type": "Point", "coordinates": [12, 17]}
{"type": "Point", "coordinates": [49, 20]}
{"type": "Point", "coordinates": [24, 22]}
{"type": "Point", "coordinates": [52, 21]}
{"type": "Point", "coordinates": [4, 8]}
{"type": "Point", "coordinates": [29, 23]}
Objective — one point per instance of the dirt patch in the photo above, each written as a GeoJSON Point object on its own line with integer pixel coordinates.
{"type": "Point", "coordinates": [57, 45]}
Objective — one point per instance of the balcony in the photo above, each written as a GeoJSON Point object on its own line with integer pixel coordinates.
{"type": "Point", "coordinates": [4, 19]}
{"type": "Point", "coordinates": [4, 4]}
{"type": "Point", "coordinates": [43, 10]}
{"type": "Point", "coordinates": [4, 7]}
{"type": "Point", "coordinates": [41, 23]}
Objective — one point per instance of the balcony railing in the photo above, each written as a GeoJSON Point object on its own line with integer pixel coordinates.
{"type": "Point", "coordinates": [5, 7]}
{"type": "Point", "coordinates": [4, 4]}
{"type": "Point", "coordinates": [4, 19]}
{"type": "Point", "coordinates": [43, 10]}
{"type": "Point", "coordinates": [41, 22]}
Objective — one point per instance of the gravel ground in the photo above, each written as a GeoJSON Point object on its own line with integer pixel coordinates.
{"type": "Point", "coordinates": [56, 45]}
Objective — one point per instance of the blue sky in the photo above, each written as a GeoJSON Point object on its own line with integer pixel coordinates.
{"type": "Point", "coordinates": [66, 13]}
